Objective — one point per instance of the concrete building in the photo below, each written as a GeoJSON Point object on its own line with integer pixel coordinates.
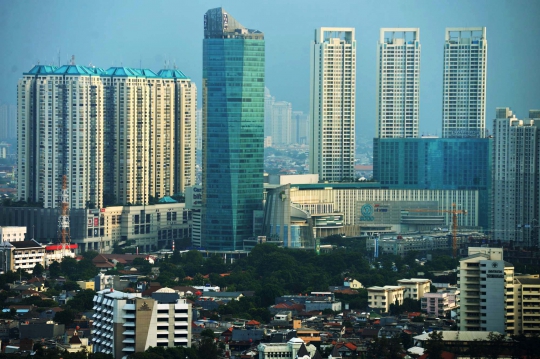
{"type": "Point", "coordinates": [57, 252]}
{"type": "Point", "coordinates": [125, 323]}
{"type": "Point", "coordinates": [332, 103]}
{"type": "Point", "coordinates": [136, 135]}
{"type": "Point", "coordinates": [233, 130]}
{"type": "Point", "coordinates": [415, 288]}
{"type": "Point", "coordinates": [421, 243]}
{"type": "Point", "coordinates": [436, 163]}
{"type": "Point", "coordinates": [385, 206]}
{"type": "Point", "coordinates": [12, 233]}
{"type": "Point", "coordinates": [382, 297]}
{"type": "Point", "coordinates": [294, 348]}
{"type": "Point", "coordinates": [440, 303]}
{"type": "Point", "coordinates": [53, 103]}
{"type": "Point", "coordinates": [149, 226]}
{"type": "Point", "coordinates": [464, 82]}
{"type": "Point", "coordinates": [524, 301]}
{"type": "Point", "coordinates": [484, 279]}
{"type": "Point", "coordinates": [516, 192]}
{"type": "Point", "coordinates": [21, 255]}
{"type": "Point", "coordinates": [398, 85]}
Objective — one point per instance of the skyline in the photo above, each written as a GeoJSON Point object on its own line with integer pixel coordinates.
{"type": "Point", "coordinates": [116, 36]}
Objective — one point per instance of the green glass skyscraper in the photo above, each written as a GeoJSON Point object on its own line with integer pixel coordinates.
{"type": "Point", "coordinates": [233, 130]}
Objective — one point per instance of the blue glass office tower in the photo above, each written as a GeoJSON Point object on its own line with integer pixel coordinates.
{"type": "Point", "coordinates": [233, 130]}
{"type": "Point", "coordinates": [436, 163]}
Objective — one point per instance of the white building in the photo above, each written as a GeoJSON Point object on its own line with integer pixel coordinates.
{"type": "Point", "coordinates": [57, 252]}
{"type": "Point", "coordinates": [415, 288]}
{"type": "Point", "coordinates": [135, 134]}
{"type": "Point", "coordinates": [332, 102]}
{"type": "Point", "coordinates": [464, 82]}
{"type": "Point", "coordinates": [293, 349]}
{"type": "Point", "coordinates": [516, 157]}
{"type": "Point", "coordinates": [382, 297]}
{"type": "Point", "coordinates": [125, 323]}
{"type": "Point", "coordinates": [347, 199]}
{"type": "Point", "coordinates": [21, 255]}
{"type": "Point", "coordinates": [525, 299]}
{"type": "Point", "coordinates": [398, 85]}
{"type": "Point", "coordinates": [484, 279]}
{"type": "Point", "coordinates": [60, 132]}
{"type": "Point", "coordinates": [440, 303]}
{"type": "Point", "coordinates": [148, 226]}
{"type": "Point", "coordinates": [12, 234]}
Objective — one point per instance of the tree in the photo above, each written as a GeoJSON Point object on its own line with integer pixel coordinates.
{"type": "Point", "coordinates": [90, 255]}
{"type": "Point", "coordinates": [68, 266]}
{"type": "Point", "coordinates": [208, 333]}
{"type": "Point", "coordinates": [54, 270]}
{"type": "Point", "coordinates": [38, 270]}
{"type": "Point", "coordinates": [65, 317]}
{"type": "Point", "coordinates": [207, 349]}
{"type": "Point", "coordinates": [82, 300]}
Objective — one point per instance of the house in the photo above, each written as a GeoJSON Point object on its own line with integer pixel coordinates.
{"type": "Point", "coordinates": [101, 262]}
{"type": "Point", "coordinates": [75, 343]}
{"type": "Point", "coordinates": [382, 297]}
{"type": "Point", "coordinates": [415, 288]}
{"type": "Point", "coordinates": [351, 283]}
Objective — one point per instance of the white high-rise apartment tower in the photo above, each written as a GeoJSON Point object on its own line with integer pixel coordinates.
{"type": "Point", "coordinates": [516, 155]}
{"type": "Point", "coordinates": [60, 132]}
{"type": "Point", "coordinates": [120, 136]}
{"type": "Point", "coordinates": [464, 84]}
{"type": "Point", "coordinates": [398, 85]}
{"type": "Point", "coordinates": [333, 91]}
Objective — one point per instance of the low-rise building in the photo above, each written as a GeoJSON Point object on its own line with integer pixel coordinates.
{"type": "Point", "coordinates": [86, 284]}
{"type": "Point", "coordinates": [415, 287]}
{"type": "Point", "coordinates": [352, 283]}
{"type": "Point", "coordinates": [440, 303]}
{"type": "Point", "coordinates": [12, 234]}
{"type": "Point", "coordinates": [382, 297]}
{"type": "Point", "coordinates": [57, 252]}
{"type": "Point", "coordinates": [40, 328]}
{"type": "Point", "coordinates": [21, 254]}
{"type": "Point", "coordinates": [125, 323]}
{"type": "Point", "coordinates": [76, 344]}
{"type": "Point", "coordinates": [294, 348]}
{"type": "Point", "coordinates": [526, 304]}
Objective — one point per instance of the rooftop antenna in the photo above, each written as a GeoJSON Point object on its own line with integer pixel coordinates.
{"type": "Point", "coordinates": [72, 62]}
{"type": "Point", "coordinates": [58, 57]}
{"type": "Point", "coordinates": [175, 65]}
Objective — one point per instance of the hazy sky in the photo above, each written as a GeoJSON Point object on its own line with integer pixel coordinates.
{"type": "Point", "coordinates": [130, 33]}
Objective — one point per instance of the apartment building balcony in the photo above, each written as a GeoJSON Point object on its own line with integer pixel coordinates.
{"type": "Point", "coordinates": [128, 341]}
{"type": "Point", "coordinates": [128, 349]}
{"type": "Point", "coordinates": [128, 332]}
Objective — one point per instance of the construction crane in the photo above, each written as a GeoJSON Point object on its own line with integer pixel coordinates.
{"type": "Point", "coordinates": [454, 212]}
{"type": "Point", "coordinates": [63, 218]}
